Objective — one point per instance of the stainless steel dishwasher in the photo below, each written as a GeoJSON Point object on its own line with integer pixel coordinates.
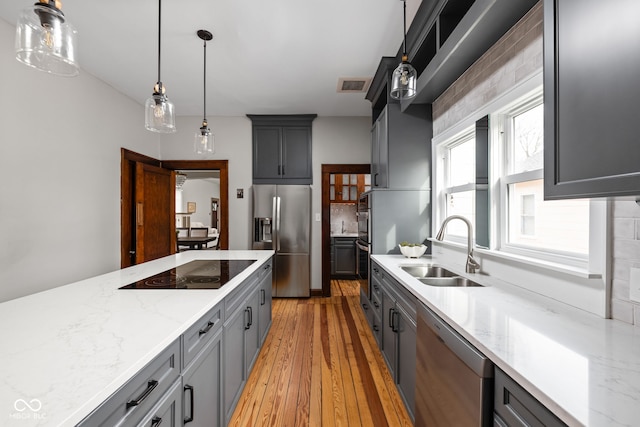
{"type": "Point", "coordinates": [454, 382]}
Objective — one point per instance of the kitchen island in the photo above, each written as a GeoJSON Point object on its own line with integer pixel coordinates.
{"type": "Point", "coordinates": [583, 368]}
{"type": "Point", "coordinates": [66, 350]}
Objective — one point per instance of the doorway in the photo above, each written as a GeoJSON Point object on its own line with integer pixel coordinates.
{"type": "Point", "coordinates": [327, 172]}
{"type": "Point", "coordinates": [128, 232]}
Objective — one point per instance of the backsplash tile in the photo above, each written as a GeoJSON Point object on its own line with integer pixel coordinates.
{"type": "Point", "coordinates": [625, 255]}
{"type": "Point", "coordinates": [343, 214]}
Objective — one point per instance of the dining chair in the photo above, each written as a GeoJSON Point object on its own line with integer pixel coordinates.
{"type": "Point", "coordinates": [199, 232]}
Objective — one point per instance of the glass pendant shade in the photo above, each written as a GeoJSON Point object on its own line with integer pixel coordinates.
{"type": "Point", "coordinates": [204, 140]}
{"type": "Point", "coordinates": [159, 114]}
{"type": "Point", "coordinates": [46, 41]}
{"type": "Point", "coordinates": [403, 81]}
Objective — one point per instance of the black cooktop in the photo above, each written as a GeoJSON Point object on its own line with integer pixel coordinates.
{"type": "Point", "coordinates": [199, 274]}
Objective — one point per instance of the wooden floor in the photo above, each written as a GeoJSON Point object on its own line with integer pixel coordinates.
{"type": "Point", "coordinates": [320, 366]}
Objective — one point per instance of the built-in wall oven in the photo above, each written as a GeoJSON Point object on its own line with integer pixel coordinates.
{"type": "Point", "coordinates": [363, 243]}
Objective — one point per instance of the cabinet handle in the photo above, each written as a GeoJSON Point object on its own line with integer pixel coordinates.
{"type": "Point", "coordinates": [365, 306]}
{"type": "Point", "coordinates": [283, 170]}
{"type": "Point", "coordinates": [263, 296]}
{"type": "Point", "coordinates": [396, 325]}
{"type": "Point", "coordinates": [375, 179]}
{"type": "Point", "coordinates": [375, 328]}
{"type": "Point", "coordinates": [206, 329]}
{"type": "Point", "coordinates": [189, 388]}
{"type": "Point", "coordinates": [156, 421]}
{"type": "Point", "coordinates": [375, 303]}
{"type": "Point", "coordinates": [152, 384]}
{"type": "Point", "coordinates": [391, 310]}
{"type": "Point", "coordinates": [250, 316]}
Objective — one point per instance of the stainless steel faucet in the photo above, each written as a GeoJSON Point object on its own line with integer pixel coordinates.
{"type": "Point", "coordinates": [472, 265]}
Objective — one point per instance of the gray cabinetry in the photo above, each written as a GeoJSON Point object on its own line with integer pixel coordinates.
{"type": "Point", "coordinates": [168, 411]}
{"type": "Point", "coordinates": [398, 341]}
{"type": "Point", "coordinates": [202, 385]}
{"type": "Point", "coordinates": [515, 407]}
{"type": "Point", "coordinates": [401, 148]}
{"type": "Point", "coordinates": [134, 401]}
{"type": "Point", "coordinates": [591, 93]}
{"type": "Point", "coordinates": [264, 307]}
{"type": "Point", "coordinates": [282, 149]}
{"type": "Point", "coordinates": [343, 252]}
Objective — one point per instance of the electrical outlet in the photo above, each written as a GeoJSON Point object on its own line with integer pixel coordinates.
{"type": "Point", "coordinates": [634, 284]}
{"type": "Point", "coordinates": [239, 193]}
{"type": "Point", "coordinates": [318, 217]}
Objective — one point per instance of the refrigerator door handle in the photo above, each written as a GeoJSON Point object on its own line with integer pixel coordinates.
{"type": "Point", "coordinates": [277, 223]}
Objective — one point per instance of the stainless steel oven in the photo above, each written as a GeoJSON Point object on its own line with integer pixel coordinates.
{"type": "Point", "coordinates": [363, 243]}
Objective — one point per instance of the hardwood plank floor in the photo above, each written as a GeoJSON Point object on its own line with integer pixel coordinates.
{"type": "Point", "coordinates": [320, 366]}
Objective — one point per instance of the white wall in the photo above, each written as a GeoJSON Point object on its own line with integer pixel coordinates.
{"type": "Point", "coordinates": [334, 140]}
{"type": "Point", "coordinates": [60, 163]}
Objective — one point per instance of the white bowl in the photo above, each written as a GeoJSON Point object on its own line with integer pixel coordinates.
{"type": "Point", "coordinates": [413, 251]}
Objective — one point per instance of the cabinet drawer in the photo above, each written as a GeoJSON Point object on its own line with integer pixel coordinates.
{"type": "Point", "coordinates": [168, 412]}
{"type": "Point", "coordinates": [516, 407]}
{"type": "Point", "coordinates": [127, 406]}
{"type": "Point", "coordinates": [195, 338]}
{"type": "Point", "coordinates": [376, 304]}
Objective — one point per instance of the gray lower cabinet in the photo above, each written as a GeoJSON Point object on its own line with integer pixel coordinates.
{"type": "Point", "coordinates": [398, 323]}
{"type": "Point", "coordinates": [515, 407]}
{"type": "Point", "coordinates": [343, 252]}
{"type": "Point", "coordinates": [197, 380]}
{"type": "Point", "coordinates": [202, 386]}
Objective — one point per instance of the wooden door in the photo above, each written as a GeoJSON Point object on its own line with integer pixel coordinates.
{"type": "Point", "coordinates": [155, 200]}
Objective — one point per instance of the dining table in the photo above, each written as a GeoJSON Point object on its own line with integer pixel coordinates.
{"type": "Point", "coordinates": [196, 242]}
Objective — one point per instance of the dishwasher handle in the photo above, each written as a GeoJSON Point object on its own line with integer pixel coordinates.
{"type": "Point", "coordinates": [475, 360]}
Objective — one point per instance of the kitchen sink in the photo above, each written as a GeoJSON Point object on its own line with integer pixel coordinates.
{"type": "Point", "coordinates": [421, 271]}
{"type": "Point", "coordinates": [448, 281]}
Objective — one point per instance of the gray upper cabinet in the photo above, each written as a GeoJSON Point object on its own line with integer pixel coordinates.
{"type": "Point", "coordinates": [591, 92]}
{"type": "Point", "coordinates": [401, 148]}
{"type": "Point", "coordinates": [282, 149]}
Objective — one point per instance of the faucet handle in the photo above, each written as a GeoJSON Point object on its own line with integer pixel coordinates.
{"type": "Point", "coordinates": [472, 265]}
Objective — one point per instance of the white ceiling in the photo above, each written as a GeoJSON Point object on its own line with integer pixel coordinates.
{"type": "Point", "coordinates": [266, 57]}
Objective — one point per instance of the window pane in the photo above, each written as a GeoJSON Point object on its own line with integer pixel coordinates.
{"type": "Point", "coordinates": [461, 203]}
{"type": "Point", "coordinates": [558, 225]}
{"type": "Point", "coordinates": [527, 141]}
{"type": "Point", "coordinates": [462, 163]}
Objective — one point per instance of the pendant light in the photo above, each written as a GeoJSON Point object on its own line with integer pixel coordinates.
{"type": "Point", "coordinates": [204, 137]}
{"type": "Point", "coordinates": [403, 81]}
{"type": "Point", "coordinates": [159, 113]}
{"type": "Point", "coordinates": [45, 40]}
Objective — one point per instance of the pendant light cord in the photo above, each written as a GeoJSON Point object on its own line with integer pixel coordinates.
{"type": "Point", "coordinates": [205, 81]}
{"type": "Point", "coordinates": [404, 41]}
{"type": "Point", "coordinates": [159, 32]}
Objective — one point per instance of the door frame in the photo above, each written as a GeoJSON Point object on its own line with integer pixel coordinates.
{"type": "Point", "coordinates": [327, 170]}
{"type": "Point", "coordinates": [128, 160]}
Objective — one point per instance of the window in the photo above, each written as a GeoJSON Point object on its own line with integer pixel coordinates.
{"type": "Point", "coordinates": [459, 192]}
{"type": "Point", "coordinates": [520, 221]}
{"type": "Point", "coordinates": [534, 226]}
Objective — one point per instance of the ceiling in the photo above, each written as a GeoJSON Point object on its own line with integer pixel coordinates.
{"type": "Point", "coordinates": [266, 57]}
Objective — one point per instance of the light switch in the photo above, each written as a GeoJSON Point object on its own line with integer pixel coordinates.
{"type": "Point", "coordinates": [634, 284]}
{"type": "Point", "coordinates": [318, 217]}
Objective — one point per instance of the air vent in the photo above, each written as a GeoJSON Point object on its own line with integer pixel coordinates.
{"type": "Point", "coordinates": [353, 84]}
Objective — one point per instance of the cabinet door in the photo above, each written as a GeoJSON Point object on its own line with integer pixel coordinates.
{"type": "Point", "coordinates": [201, 386]}
{"type": "Point", "coordinates": [233, 350]}
{"type": "Point", "coordinates": [264, 321]}
{"type": "Point", "coordinates": [251, 332]}
{"type": "Point", "coordinates": [296, 153]}
{"type": "Point", "coordinates": [380, 178]}
{"type": "Point", "coordinates": [406, 375]}
{"type": "Point", "coordinates": [591, 98]}
{"type": "Point", "coordinates": [267, 160]}
{"type": "Point", "coordinates": [389, 322]}
{"type": "Point", "coordinates": [344, 252]}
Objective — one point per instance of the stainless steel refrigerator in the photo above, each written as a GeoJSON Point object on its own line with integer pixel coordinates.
{"type": "Point", "coordinates": [282, 222]}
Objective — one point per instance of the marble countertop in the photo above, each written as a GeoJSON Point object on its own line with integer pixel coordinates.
{"type": "Point", "coordinates": [64, 351]}
{"type": "Point", "coordinates": [583, 368]}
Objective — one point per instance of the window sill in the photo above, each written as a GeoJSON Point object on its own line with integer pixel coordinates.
{"type": "Point", "coordinates": [520, 259]}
